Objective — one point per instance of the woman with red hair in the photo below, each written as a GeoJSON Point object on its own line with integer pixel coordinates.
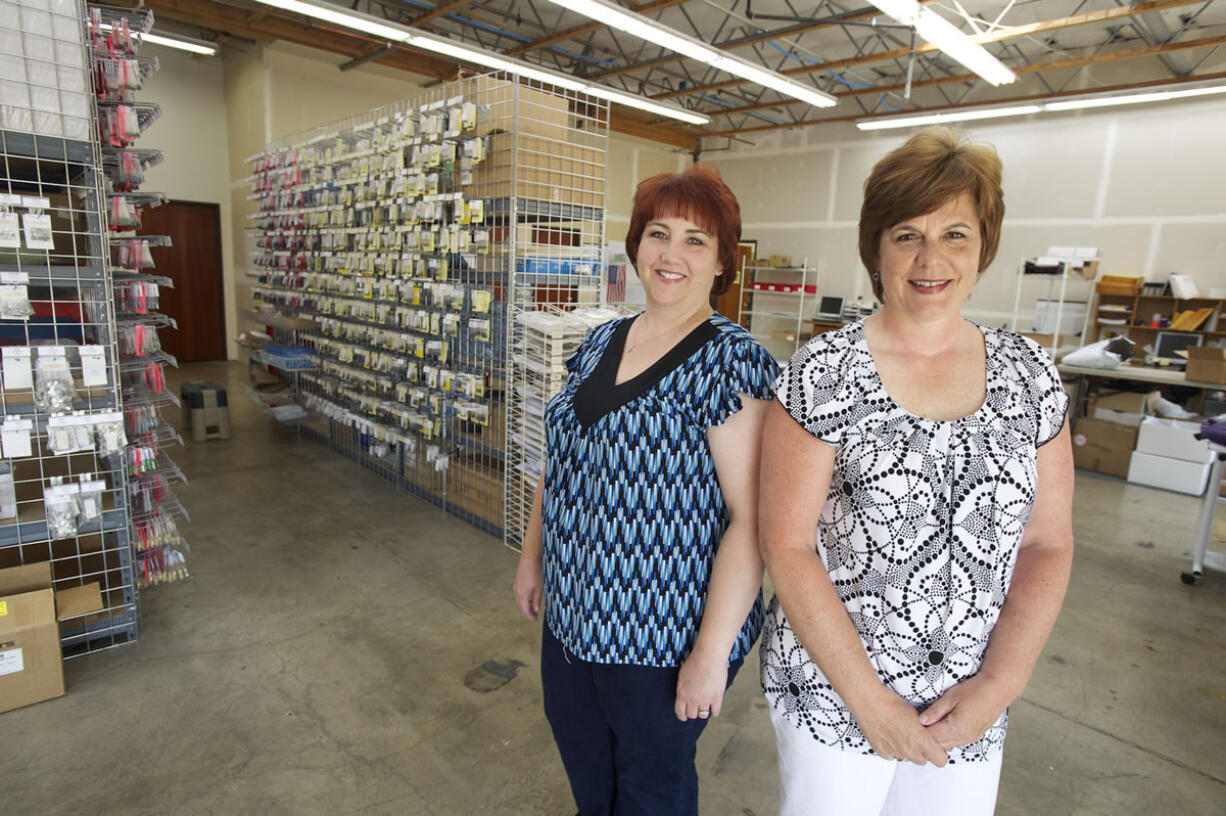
{"type": "Point", "coordinates": [642, 545]}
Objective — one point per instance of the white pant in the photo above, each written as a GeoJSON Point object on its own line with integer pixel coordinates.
{"type": "Point", "coordinates": [818, 780]}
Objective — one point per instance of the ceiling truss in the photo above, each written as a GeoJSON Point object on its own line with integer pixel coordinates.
{"type": "Point", "coordinates": [864, 59]}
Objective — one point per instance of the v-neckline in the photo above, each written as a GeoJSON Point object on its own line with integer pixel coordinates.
{"type": "Point", "coordinates": [600, 394]}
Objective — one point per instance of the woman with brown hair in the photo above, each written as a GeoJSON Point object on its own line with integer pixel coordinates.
{"type": "Point", "coordinates": [642, 545]}
{"type": "Point", "coordinates": [929, 459]}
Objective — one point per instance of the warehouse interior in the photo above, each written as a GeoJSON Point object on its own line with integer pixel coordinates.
{"type": "Point", "coordinates": [330, 628]}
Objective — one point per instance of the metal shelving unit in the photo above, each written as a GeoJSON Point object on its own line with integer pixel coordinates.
{"type": "Point", "coordinates": [51, 172]}
{"type": "Point", "coordinates": [777, 305]}
{"type": "Point", "coordinates": [413, 237]}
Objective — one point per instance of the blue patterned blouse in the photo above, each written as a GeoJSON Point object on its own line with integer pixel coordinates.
{"type": "Point", "coordinates": [633, 513]}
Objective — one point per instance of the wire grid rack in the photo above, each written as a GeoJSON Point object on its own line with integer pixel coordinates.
{"type": "Point", "coordinates": [411, 236]}
{"type": "Point", "coordinates": [63, 485]}
{"type": "Point", "coordinates": [119, 74]}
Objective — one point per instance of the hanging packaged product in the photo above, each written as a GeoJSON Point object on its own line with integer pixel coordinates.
{"type": "Point", "coordinates": [17, 370]}
{"type": "Point", "coordinates": [70, 434]}
{"type": "Point", "coordinates": [37, 225]}
{"type": "Point", "coordinates": [93, 365]}
{"type": "Point", "coordinates": [8, 494]}
{"type": "Point", "coordinates": [16, 437]}
{"type": "Point", "coordinates": [124, 215]}
{"type": "Point", "coordinates": [109, 436]}
{"type": "Point", "coordinates": [62, 502]}
{"type": "Point", "coordinates": [10, 227]}
{"type": "Point", "coordinates": [90, 500]}
{"type": "Point", "coordinates": [54, 390]}
{"type": "Point", "coordinates": [15, 296]}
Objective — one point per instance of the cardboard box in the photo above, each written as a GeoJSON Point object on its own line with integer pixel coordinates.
{"type": "Point", "coordinates": [781, 261]}
{"type": "Point", "coordinates": [1103, 447]}
{"type": "Point", "coordinates": [1168, 473]}
{"type": "Point", "coordinates": [548, 169]}
{"type": "Point", "coordinates": [1123, 409]}
{"type": "Point", "coordinates": [1206, 364]}
{"type": "Point", "coordinates": [1173, 438]}
{"type": "Point", "coordinates": [31, 663]}
{"type": "Point", "coordinates": [539, 112]}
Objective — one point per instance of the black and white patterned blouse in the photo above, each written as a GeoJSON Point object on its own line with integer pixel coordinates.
{"type": "Point", "coordinates": [920, 529]}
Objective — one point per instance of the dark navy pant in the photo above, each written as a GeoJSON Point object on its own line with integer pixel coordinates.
{"type": "Point", "coordinates": [624, 749]}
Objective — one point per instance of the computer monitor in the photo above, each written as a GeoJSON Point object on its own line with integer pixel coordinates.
{"type": "Point", "coordinates": [1167, 343]}
{"type": "Point", "coordinates": [830, 307]}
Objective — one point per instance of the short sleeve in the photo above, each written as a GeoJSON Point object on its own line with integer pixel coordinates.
{"type": "Point", "coordinates": [1045, 390]}
{"type": "Point", "coordinates": [814, 388]}
{"type": "Point", "coordinates": [747, 368]}
{"type": "Point", "coordinates": [583, 359]}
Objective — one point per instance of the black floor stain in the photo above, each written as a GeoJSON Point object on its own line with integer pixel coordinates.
{"type": "Point", "coordinates": [1145, 545]}
{"type": "Point", "coordinates": [492, 675]}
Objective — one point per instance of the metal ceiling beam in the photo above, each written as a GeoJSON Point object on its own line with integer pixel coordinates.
{"type": "Point", "coordinates": [580, 30]}
{"type": "Point", "coordinates": [1101, 16]}
{"type": "Point", "coordinates": [1051, 65]}
{"type": "Point", "coordinates": [741, 132]}
{"type": "Point", "coordinates": [441, 10]}
{"type": "Point", "coordinates": [222, 16]}
{"type": "Point", "coordinates": [753, 39]}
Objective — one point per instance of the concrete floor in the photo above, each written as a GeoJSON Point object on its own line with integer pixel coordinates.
{"type": "Point", "coordinates": [343, 648]}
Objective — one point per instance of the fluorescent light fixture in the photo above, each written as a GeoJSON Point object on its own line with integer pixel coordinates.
{"type": "Point", "coordinates": [416, 38]}
{"type": "Point", "coordinates": [171, 42]}
{"type": "Point", "coordinates": [945, 36]}
{"type": "Point", "coordinates": [647, 29]}
{"type": "Point", "coordinates": [951, 116]}
{"type": "Point", "coordinates": [1132, 99]}
{"type": "Point", "coordinates": [182, 45]}
{"type": "Point", "coordinates": [1022, 110]}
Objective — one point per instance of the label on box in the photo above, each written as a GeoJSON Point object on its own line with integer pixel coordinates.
{"type": "Point", "coordinates": [38, 231]}
{"type": "Point", "coordinates": [4, 608]}
{"type": "Point", "coordinates": [11, 662]}
{"type": "Point", "coordinates": [10, 236]}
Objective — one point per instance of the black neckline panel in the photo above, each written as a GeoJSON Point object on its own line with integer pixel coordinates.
{"type": "Point", "coordinates": [598, 395]}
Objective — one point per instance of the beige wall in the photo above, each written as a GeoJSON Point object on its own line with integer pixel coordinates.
{"type": "Point", "coordinates": [1144, 185]}
{"type": "Point", "coordinates": [192, 135]}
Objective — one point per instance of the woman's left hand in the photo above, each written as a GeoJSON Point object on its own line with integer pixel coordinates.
{"type": "Point", "coordinates": [700, 686]}
{"type": "Point", "coordinates": [965, 712]}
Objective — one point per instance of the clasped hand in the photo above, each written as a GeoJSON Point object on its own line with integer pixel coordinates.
{"type": "Point", "coordinates": [700, 686]}
{"type": "Point", "coordinates": [958, 717]}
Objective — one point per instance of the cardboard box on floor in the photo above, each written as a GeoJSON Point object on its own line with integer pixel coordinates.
{"type": "Point", "coordinates": [31, 663]}
{"type": "Point", "coordinates": [1173, 438]}
{"type": "Point", "coordinates": [1103, 446]}
{"type": "Point", "coordinates": [1168, 473]}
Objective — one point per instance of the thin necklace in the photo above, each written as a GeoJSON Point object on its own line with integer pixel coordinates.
{"type": "Point", "coordinates": [671, 329]}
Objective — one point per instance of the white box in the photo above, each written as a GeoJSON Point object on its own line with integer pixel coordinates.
{"type": "Point", "coordinates": [70, 79]}
{"type": "Point", "coordinates": [38, 46]}
{"type": "Point", "coordinates": [1167, 473]}
{"type": "Point", "coordinates": [70, 54]}
{"type": "Point", "coordinates": [1173, 438]}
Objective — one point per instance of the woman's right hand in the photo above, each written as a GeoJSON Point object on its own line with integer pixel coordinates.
{"type": "Point", "coordinates": [894, 730]}
{"type": "Point", "coordinates": [529, 585]}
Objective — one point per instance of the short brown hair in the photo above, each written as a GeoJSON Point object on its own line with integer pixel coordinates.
{"type": "Point", "coordinates": [699, 195]}
{"type": "Point", "coordinates": [929, 169]}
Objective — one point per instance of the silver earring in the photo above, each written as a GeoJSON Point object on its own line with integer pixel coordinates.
{"type": "Point", "coordinates": [876, 276]}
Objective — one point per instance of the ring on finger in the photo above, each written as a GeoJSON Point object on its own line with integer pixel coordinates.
{"type": "Point", "coordinates": [704, 712]}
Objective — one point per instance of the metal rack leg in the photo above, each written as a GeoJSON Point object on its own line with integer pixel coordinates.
{"type": "Point", "coordinates": [1205, 529]}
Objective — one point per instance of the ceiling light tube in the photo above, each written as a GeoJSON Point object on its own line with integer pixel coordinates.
{"type": "Point", "coordinates": [950, 116]}
{"type": "Point", "coordinates": [946, 37]}
{"type": "Point", "coordinates": [171, 42]}
{"type": "Point", "coordinates": [1131, 99]}
{"type": "Point", "coordinates": [415, 38]}
{"type": "Point", "coordinates": [659, 34]}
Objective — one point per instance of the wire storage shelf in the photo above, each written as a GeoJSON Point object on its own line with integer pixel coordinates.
{"type": "Point", "coordinates": [408, 239]}
{"type": "Point", "coordinates": [63, 476]}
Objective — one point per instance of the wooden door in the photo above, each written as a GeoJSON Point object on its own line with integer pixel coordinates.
{"type": "Point", "coordinates": [193, 262]}
{"type": "Point", "coordinates": [728, 304]}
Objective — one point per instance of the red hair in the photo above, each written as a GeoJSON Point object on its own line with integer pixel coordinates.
{"type": "Point", "coordinates": [698, 195]}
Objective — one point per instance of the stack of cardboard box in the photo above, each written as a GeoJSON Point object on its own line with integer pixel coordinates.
{"type": "Point", "coordinates": [1105, 439]}
{"type": "Point", "coordinates": [1170, 457]}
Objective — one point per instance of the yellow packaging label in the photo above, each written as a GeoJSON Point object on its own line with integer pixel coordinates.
{"type": "Point", "coordinates": [4, 608]}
